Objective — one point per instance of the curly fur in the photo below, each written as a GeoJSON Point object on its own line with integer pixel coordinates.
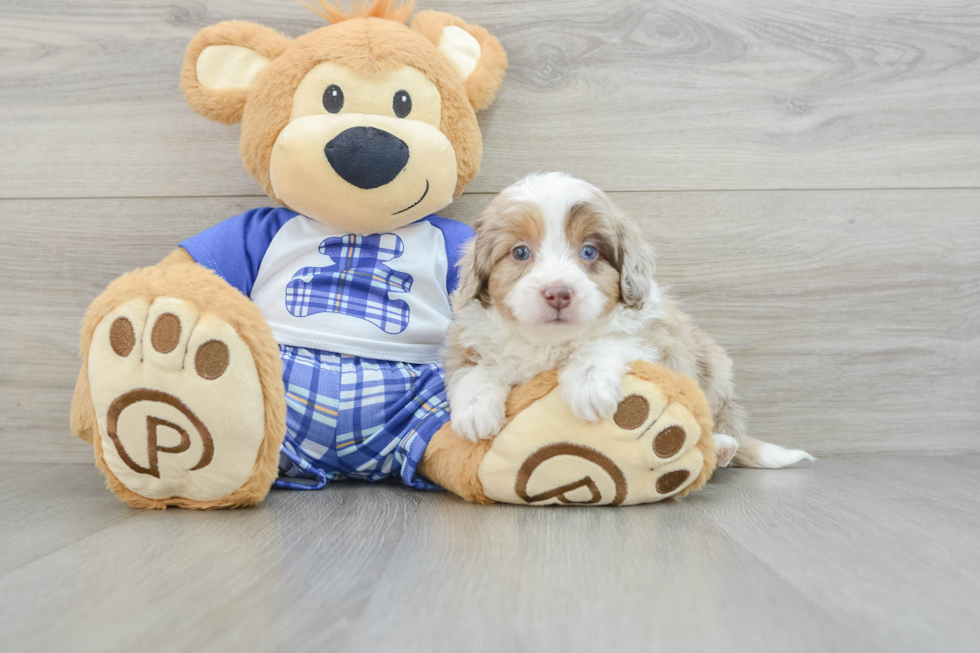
{"type": "Point", "coordinates": [504, 333]}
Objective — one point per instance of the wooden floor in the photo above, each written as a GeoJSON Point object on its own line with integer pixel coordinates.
{"type": "Point", "coordinates": [854, 554]}
{"type": "Point", "coordinates": [809, 175]}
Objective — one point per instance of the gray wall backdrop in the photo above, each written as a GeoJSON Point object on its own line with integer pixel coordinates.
{"type": "Point", "coordinates": [808, 172]}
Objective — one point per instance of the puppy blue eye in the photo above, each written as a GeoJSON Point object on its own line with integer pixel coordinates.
{"type": "Point", "coordinates": [521, 253]}
{"type": "Point", "coordinates": [588, 253]}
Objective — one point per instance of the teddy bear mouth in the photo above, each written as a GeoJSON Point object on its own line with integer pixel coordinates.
{"type": "Point", "coordinates": [412, 206]}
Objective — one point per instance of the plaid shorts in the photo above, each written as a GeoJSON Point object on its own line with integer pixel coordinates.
{"type": "Point", "coordinates": [351, 417]}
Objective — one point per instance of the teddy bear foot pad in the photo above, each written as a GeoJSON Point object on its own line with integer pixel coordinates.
{"type": "Point", "coordinates": [646, 452]}
{"type": "Point", "coordinates": [178, 401]}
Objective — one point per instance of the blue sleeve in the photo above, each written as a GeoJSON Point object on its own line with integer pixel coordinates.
{"type": "Point", "coordinates": [456, 235]}
{"type": "Point", "coordinates": [234, 248]}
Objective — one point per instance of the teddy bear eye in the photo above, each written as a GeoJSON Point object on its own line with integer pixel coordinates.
{"type": "Point", "coordinates": [333, 99]}
{"type": "Point", "coordinates": [402, 104]}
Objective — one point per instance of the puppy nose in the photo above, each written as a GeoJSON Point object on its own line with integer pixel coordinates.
{"type": "Point", "coordinates": [557, 296]}
{"type": "Point", "coordinates": [367, 157]}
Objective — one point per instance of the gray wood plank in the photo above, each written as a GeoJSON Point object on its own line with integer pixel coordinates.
{"type": "Point", "coordinates": [864, 553]}
{"type": "Point", "coordinates": [661, 577]}
{"type": "Point", "coordinates": [46, 508]}
{"type": "Point", "coordinates": [298, 566]}
{"type": "Point", "coordinates": [852, 316]}
{"type": "Point", "coordinates": [888, 544]}
{"type": "Point", "coordinates": [635, 95]}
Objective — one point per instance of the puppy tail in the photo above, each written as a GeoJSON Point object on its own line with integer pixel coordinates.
{"type": "Point", "coordinates": [758, 454]}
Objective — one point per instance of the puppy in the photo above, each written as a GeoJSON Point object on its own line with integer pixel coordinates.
{"type": "Point", "coordinates": [558, 277]}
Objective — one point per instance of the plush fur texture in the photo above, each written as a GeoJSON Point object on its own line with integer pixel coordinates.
{"type": "Point", "coordinates": [208, 293]}
{"type": "Point", "coordinates": [225, 106]}
{"type": "Point", "coordinates": [505, 331]}
{"type": "Point", "coordinates": [485, 80]}
{"type": "Point", "coordinates": [453, 463]}
{"type": "Point", "coordinates": [370, 44]}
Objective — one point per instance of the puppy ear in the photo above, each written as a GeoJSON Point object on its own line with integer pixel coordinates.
{"type": "Point", "coordinates": [222, 62]}
{"type": "Point", "coordinates": [474, 274]}
{"type": "Point", "coordinates": [634, 259]}
{"type": "Point", "coordinates": [474, 53]}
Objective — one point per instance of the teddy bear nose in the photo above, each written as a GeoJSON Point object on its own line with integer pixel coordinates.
{"type": "Point", "coordinates": [367, 157]}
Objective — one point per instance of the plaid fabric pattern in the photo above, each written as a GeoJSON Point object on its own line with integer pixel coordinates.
{"type": "Point", "coordinates": [356, 284]}
{"type": "Point", "coordinates": [351, 417]}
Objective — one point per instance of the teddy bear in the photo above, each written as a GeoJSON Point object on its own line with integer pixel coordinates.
{"type": "Point", "coordinates": [298, 345]}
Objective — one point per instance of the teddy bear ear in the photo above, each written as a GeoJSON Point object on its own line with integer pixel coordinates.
{"type": "Point", "coordinates": [474, 53]}
{"type": "Point", "coordinates": [221, 63]}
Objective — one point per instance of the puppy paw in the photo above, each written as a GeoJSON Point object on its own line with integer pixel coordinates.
{"type": "Point", "coordinates": [477, 416]}
{"type": "Point", "coordinates": [726, 446]}
{"type": "Point", "coordinates": [592, 393]}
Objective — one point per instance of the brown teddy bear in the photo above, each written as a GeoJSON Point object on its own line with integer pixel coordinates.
{"type": "Point", "coordinates": [298, 345]}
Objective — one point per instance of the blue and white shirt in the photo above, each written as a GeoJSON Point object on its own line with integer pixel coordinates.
{"type": "Point", "coordinates": [382, 296]}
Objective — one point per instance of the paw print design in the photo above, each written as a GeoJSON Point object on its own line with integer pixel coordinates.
{"type": "Point", "coordinates": [651, 449]}
{"type": "Point", "coordinates": [178, 400]}
{"type": "Point", "coordinates": [356, 284]}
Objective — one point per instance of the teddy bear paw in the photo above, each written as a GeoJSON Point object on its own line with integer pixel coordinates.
{"type": "Point", "coordinates": [178, 401]}
{"type": "Point", "coordinates": [652, 448]}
